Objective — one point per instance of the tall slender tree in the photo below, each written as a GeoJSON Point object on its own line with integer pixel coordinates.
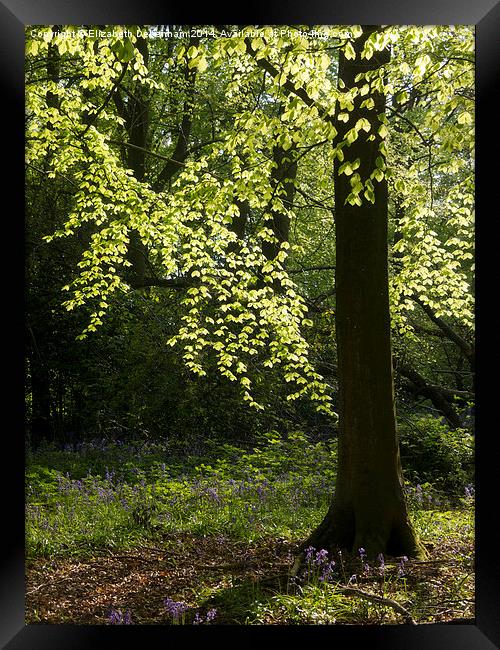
{"type": "Point", "coordinates": [368, 509]}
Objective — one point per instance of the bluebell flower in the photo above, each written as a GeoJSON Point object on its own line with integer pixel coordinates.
{"type": "Point", "coordinates": [401, 566]}
{"type": "Point", "coordinates": [418, 492]}
{"type": "Point", "coordinates": [327, 571]}
{"type": "Point", "coordinates": [116, 617]}
{"type": "Point", "coordinates": [211, 614]}
{"type": "Point", "coordinates": [321, 556]}
{"type": "Point", "coordinates": [309, 553]}
{"type": "Point", "coordinates": [212, 492]}
{"type": "Point", "coordinates": [469, 491]}
{"type": "Point", "coordinates": [175, 609]}
{"type": "Point", "coordinates": [381, 560]}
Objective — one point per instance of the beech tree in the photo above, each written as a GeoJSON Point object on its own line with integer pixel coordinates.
{"type": "Point", "coordinates": [368, 510]}
{"type": "Point", "coordinates": [194, 162]}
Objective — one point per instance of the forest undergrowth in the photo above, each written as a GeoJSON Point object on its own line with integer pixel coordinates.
{"type": "Point", "coordinates": [150, 533]}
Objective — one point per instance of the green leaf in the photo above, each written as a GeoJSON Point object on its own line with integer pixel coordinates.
{"type": "Point", "coordinates": [202, 64]}
{"type": "Point", "coordinates": [382, 130]}
{"type": "Point", "coordinates": [349, 52]}
{"type": "Point", "coordinates": [128, 51]}
{"type": "Point", "coordinates": [346, 169]}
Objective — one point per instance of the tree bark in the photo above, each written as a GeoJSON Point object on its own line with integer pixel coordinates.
{"type": "Point", "coordinates": [239, 225]}
{"type": "Point", "coordinates": [180, 152]}
{"type": "Point", "coordinates": [40, 425]}
{"type": "Point", "coordinates": [283, 177]}
{"type": "Point", "coordinates": [137, 115]}
{"type": "Point", "coordinates": [368, 508]}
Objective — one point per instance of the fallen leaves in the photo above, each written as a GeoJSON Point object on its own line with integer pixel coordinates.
{"type": "Point", "coordinates": [194, 570]}
{"type": "Point", "coordinates": [83, 591]}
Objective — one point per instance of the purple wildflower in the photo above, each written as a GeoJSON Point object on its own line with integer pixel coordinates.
{"type": "Point", "coordinates": [321, 556]}
{"type": "Point", "coordinates": [175, 609]}
{"type": "Point", "coordinates": [212, 492]}
{"type": "Point", "coordinates": [401, 566]}
{"type": "Point", "coordinates": [211, 614]}
{"type": "Point", "coordinates": [362, 556]}
{"type": "Point", "coordinates": [469, 491]}
{"type": "Point", "coordinates": [327, 571]}
{"type": "Point", "coordinates": [418, 492]}
{"type": "Point", "coordinates": [320, 559]}
{"type": "Point", "coordinates": [309, 553]}
{"type": "Point", "coordinates": [381, 560]}
{"type": "Point", "coordinates": [116, 617]}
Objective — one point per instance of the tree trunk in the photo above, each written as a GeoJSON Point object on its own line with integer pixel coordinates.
{"type": "Point", "coordinates": [368, 509]}
{"type": "Point", "coordinates": [40, 425]}
{"type": "Point", "coordinates": [137, 127]}
{"type": "Point", "coordinates": [279, 222]}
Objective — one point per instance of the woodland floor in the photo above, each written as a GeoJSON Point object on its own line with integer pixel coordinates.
{"type": "Point", "coordinates": [216, 572]}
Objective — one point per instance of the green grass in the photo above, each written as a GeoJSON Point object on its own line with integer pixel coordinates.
{"type": "Point", "coordinates": [117, 496]}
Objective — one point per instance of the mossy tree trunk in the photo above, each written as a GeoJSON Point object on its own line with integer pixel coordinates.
{"type": "Point", "coordinates": [368, 508]}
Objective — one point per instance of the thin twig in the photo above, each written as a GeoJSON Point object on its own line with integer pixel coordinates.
{"type": "Point", "coordinates": [48, 584]}
{"type": "Point", "coordinates": [353, 591]}
{"type": "Point", "coordinates": [132, 557]}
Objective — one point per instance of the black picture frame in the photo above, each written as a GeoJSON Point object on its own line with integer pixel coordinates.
{"type": "Point", "coordinates": [14, 16]}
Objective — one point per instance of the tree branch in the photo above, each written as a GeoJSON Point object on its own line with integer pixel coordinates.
{"type": "Point", "coordinates": [288, 85]}
{"type": "Point", "coordinates": [106, 101]}
{"type": "Point", "coordinates": [440, 397]}
{"type": "Point", "coordinates": [148, 152]}
{"type": "Point", "coordinates": [466, 347]}
{"type": "Point", "coordinates": [324, 267]}
{"type": "Point", "coordinates": [172, 283]}
{"type": "Point", "coordinates": [413, 126]}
